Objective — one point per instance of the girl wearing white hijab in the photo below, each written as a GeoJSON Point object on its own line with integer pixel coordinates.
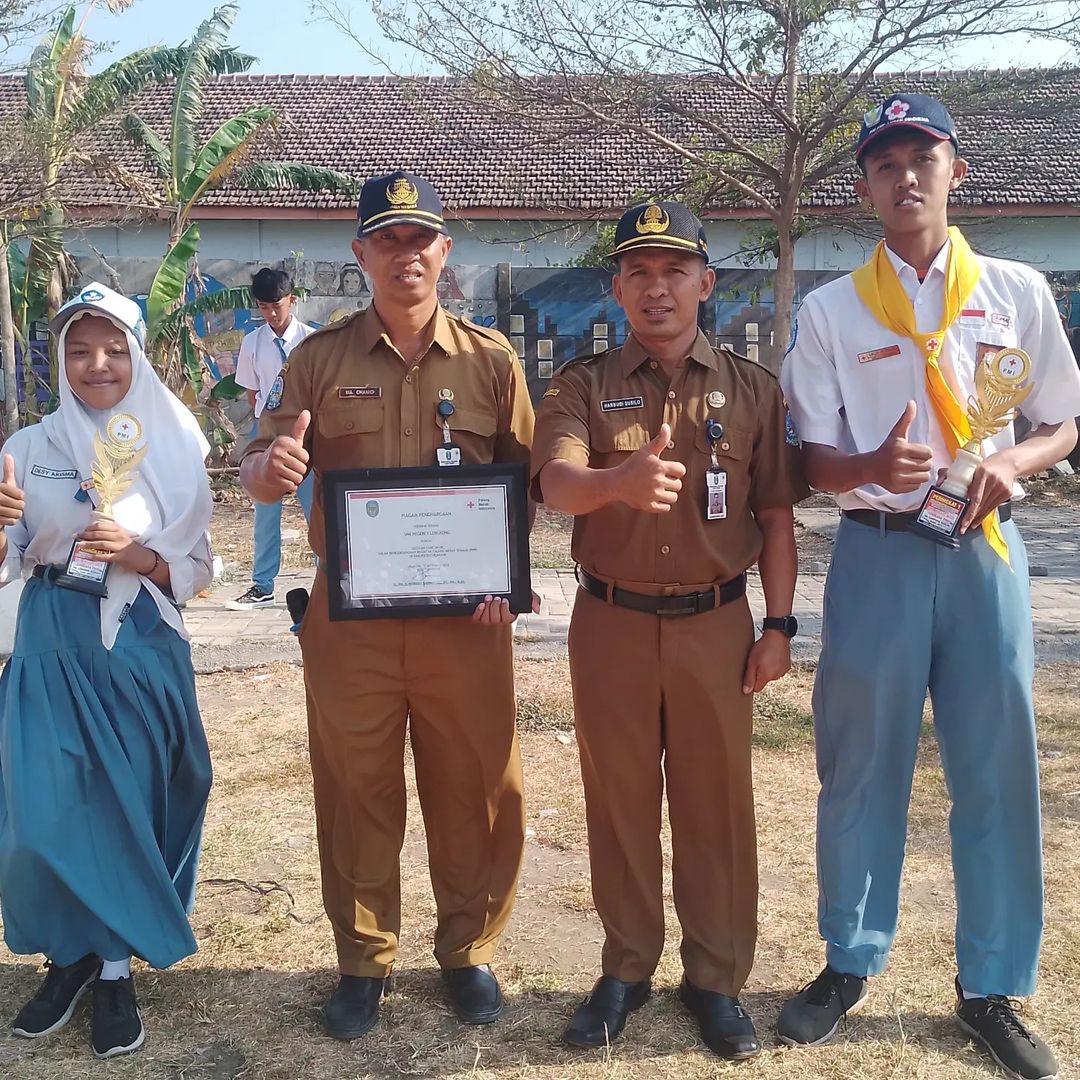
{"type": "Point", "coordinates": [104, 767]}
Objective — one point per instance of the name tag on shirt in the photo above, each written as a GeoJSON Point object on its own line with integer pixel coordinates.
{"type": "Point", "coordinates": [53, 474]}
{"type": "Point", "coordinates": [359, 392]}
{"type": "Point", "coordinates": [879, 354]}
{"type": "Point", "coordinates": [615, 404]}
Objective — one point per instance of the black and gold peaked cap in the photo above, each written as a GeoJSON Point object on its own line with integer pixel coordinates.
{"type": "Point", "coordinates": [399, 198]}
{"type": "Point", "coordinates": [660, 224]}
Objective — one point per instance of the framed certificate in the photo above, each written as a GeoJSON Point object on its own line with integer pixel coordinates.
{"type": "Point", "coordinates": [426, 541]}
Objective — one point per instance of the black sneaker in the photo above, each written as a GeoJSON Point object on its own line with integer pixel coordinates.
{"type": "Point", "coordinates": [254, 597]}
{"type": "Point", "coordinates": [54, 1003]}
{"type": "Point", "coordinates": [116, 1027]}
{"type": "Point", "coordinates": [812, 1016]}
{"type": "Point", "coordinates": [995, 1022]}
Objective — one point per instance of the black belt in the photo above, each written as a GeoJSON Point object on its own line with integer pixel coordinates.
{"type": "Point", "coordinates": [902, 522]}
{"type": "Point", "coordinates": [47, 571]}
{"type": "Point", "coordinates": [687, 604]}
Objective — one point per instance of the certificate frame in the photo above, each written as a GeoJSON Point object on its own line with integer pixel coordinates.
{"type": "Point", "coordinates": [505, 487]}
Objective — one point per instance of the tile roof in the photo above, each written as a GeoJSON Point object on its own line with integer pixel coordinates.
{"type": "Point", "coordinates": [366, 125]}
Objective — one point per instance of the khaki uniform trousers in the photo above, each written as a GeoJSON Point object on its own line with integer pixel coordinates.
{"type": "Point", "coordinates": [660, 697]}
{"type": "Point", "coordinates": [452, 681]}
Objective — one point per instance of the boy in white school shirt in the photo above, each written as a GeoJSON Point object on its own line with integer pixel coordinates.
{"type": "Point", "coordinates": [878, 380]}
{"type": "Point", "coordinates": [264, 353]}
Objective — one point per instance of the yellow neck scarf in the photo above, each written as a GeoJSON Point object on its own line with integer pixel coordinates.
{"type": "Point", "coordinates": [880, 290]}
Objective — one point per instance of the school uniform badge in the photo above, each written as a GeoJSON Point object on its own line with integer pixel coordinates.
{"type": "Point", "coordinates": [791, 436]}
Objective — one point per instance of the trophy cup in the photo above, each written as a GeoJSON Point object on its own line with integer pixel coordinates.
{"type": "Point", "coordinates": [999, 389]}
{"type": "Point", "coordinates": [112, 470]}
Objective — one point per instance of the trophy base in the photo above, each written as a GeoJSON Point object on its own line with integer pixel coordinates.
{"type": "Point", "coordinates": [939, 518]}
{"type": "Point", "coordinates": [83, 572]}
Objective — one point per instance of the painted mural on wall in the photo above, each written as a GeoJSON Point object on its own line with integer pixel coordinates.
{"type": "Point", "coordinates": [550, 314]}
{"type": "Point", "coordinates": [558, 313]}
{"type": "Point", "coordinates": [336, 289]}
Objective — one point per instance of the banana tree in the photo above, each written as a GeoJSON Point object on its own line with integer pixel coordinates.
{"type": "Point", "coordinates": [185, 168]}
{"type": "Point", "coordinates": [63, 105]}
{"type": "Point", "coordinates": [174, 305]}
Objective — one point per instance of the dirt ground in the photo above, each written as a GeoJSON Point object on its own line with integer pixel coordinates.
{"type": "Point", "coordinates": [246, 1006]}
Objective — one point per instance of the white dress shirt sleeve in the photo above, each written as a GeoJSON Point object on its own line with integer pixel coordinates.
{"type": "Point", "coordinates": [246, 375]}
{"type": "Point", "coordinates": [18, 536]}
{"type": "Point", "coordinates": [1055, 379]}
{"type": "Point", "coordinates": [193, 573]}
{"type": "Point", "coordinates": [810, 382]}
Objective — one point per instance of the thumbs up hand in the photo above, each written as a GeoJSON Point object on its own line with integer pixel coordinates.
{"type": "Point", "coordinates": [286, 461]}
{"type": "Point", "coordinates": [647, 482]}
{"type": "Point", "coordinates": [12, 499]}
{"type": "Point", "coordinates": [899, 465]}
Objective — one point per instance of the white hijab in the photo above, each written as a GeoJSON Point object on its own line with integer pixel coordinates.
{"type": "Point", "coordinates": [168, 506]}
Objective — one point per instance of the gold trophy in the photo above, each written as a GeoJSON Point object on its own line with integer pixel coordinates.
{"type": "Point", "coordinates": [999, 388]}
{"type": "Point", "coordinates": [112, 471]}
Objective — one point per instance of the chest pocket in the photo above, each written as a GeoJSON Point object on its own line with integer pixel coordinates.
{"type": "Point", "coordinates": [340, 418]}
{"type": "Point", "coordinates": [614, 435]}
{"type": "Point", "coordinates": [733, 453]}
{"type": "Point", "coordinates": [472, 430]}
{"type": "Point", "coordinates": [474, 421]}
{"type": "Point", "coordinates": [979, 342]}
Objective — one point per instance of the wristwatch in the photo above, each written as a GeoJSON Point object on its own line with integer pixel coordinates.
{"type": "Point", "coordinates": [788, 625]}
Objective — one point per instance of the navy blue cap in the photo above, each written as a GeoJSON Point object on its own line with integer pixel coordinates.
{"type": "Point", "coordinates": [660, 224]}
{"type": "Point", "coordinates": [399, 198]}
{"type": "Point", "coordinates": [916, 111]}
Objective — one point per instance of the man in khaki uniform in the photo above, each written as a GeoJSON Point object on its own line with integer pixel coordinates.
{"type": "Point", "coordinates": [673, 457]}
{"type": "Point", "coordinates": [366, 392]}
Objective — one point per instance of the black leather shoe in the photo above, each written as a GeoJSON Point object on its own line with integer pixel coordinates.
{"type": "Point", "coordinates": [600, 1018]}
{"type": "Point", "coordinates": [726, 1027]}
{"type": "Point", "coordinates": [474, 994]}
{"type": "Point", "coordinates": [352, 1009]}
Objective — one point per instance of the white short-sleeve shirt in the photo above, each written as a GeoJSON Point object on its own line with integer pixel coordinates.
{"type": "Point", "coordinates": [847, 378]}
{"type": "Point", "coordinates": [260, 360]}
{"type": "Point", "coordinates": [54, 515]}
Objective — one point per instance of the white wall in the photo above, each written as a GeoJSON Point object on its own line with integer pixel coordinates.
{"type": "Point", "coordinates": [1048, 243]}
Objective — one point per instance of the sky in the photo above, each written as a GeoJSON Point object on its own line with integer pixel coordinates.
{"type": "Point", "coordinates": [289, 40]}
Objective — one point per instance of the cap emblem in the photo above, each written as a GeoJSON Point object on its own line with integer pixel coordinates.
{"type": "Point", "coordinates": [402, 195]}
{"type": "Point", "coordinates": [654, 219]}
{"type": "Point", "coordinates": [91, 296]}
{"type": "Point", "coordinates": [897, 110]}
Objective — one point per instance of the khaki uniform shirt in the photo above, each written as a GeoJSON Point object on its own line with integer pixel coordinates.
{"type": "Point", "coordinates": [600, 408]}
{"type": "Point", "coordinates": [370, 409]}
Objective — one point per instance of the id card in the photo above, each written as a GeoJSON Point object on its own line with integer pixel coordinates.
{"type": "Point", "coordinates": [715, 494]}
{"type": "Point", "coordinates": [448, 454]}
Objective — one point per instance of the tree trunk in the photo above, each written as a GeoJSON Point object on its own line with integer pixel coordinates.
{"type": "Point", "coordinates": [783, 293]}
{"type": "Point", "coordinates": [7, 344]}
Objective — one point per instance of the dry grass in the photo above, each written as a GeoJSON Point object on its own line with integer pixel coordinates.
{"type": "Point", "coordinates": [246, 1005]}
{"type": "Point", "coordinates": [549, 541]}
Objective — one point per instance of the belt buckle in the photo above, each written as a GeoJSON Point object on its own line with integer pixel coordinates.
{"type": "Point", "coordinates": [683, 605]}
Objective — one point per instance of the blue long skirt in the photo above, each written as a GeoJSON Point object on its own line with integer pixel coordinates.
{"type": "Point", "coordinates": [104, 777]}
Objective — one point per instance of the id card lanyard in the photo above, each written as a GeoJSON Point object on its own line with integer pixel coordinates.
{"type": "Point", "coordinates": [448, 453]}
{"type": "Point", "coordinates": [715, 477]}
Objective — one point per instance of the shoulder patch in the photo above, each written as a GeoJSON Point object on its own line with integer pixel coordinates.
{"type": "Point", "coordinates": [552, 392]}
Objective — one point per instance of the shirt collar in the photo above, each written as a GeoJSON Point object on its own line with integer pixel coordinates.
{"type": "Point", "coordinates": [634, 353]}
{"type": "Point", "coordinates": [374, 331]}
{"type": "Point", "coordinates": [292, 331]}
{"type": "Point", "coordinates": [904, 270]}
